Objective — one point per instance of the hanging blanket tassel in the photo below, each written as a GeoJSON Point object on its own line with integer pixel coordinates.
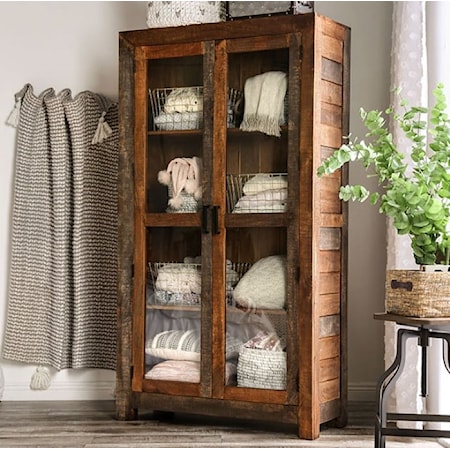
{"type": "Point", "coordinates": [13, 118]}
{"type": "Point", "coordinates": [103, 130]}
{"type": "Point", "coordinates": [40, 381]}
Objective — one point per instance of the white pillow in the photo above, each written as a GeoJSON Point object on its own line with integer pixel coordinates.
{"type": "Point", "coordinates": [181, 345]}
{"type": "Point", "coordinates": [186, 371]}
{"type": "Point", "coordinates": [264, 284]}
{"type": "Point", "coordinates": [175, 344]}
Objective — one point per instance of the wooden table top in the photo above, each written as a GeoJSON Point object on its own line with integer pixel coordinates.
{"type": "Point", "coordinates": [414, 321]}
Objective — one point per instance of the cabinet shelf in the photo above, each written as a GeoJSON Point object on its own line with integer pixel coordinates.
{"type": "Point", "coordinates": [256, 220]}
{"type": "Point", "coordinates": [176, 133]}
{"type": "Point", "coordinates": [230, 309]}
{"type": "Point", "coordinates": [175, 307]}
{"type": "Point", "coordinates": [172, 219]}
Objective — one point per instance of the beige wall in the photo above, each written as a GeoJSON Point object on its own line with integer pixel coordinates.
{"type": "Point", "coordinates": [369, 87]}
{"type": "Point", "coordinates": [74, 45]}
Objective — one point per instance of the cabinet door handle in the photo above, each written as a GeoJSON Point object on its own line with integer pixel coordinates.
{"type": "Point", "coordinates": [215, 219]}
{"type": "Point", "coordinates": [205, 221]}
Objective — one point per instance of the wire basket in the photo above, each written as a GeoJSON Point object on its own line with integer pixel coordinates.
{"type": "Point", "coordinates": [175, 283]}
{"type": "Point", "coordinates": [263, 369]}
{"type": "Point", "coordinates": [257, 193]}
{"type": "Point", "coordinates": [177, 108]}
{"type": "Point", "coordinates": [180, 283]}
{"type": "Point", "coordinates": [182, 108]}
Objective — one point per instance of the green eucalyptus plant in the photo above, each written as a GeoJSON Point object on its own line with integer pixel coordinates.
{"type": "Point", "coordinates": [416, 196]}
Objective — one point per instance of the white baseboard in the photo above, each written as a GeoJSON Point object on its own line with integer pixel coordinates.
{"type": "Point", "coordinates": [104, 390]}
{"type": "Point", "coordinates": [68, 391]}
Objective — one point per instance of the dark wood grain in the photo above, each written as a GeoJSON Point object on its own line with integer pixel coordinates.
{"type": "Point", "coordinates": [313, 233]}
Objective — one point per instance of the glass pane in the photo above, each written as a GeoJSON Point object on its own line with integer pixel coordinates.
{"type": "Point", "coordinates": [175, 124]}
{"type": "Point", "coordinates": [256, 306]}
{"type": "Point", "coordinates": [257, 184]}
{"type": "Point", "coordinates": [173, 301]}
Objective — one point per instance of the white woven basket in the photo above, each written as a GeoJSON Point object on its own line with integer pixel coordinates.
{"type": "Point", "coordinates": [263, 369]}
{"type": "Point", "coordinates": [172, 14]}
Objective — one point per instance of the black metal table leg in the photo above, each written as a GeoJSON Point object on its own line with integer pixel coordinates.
{"type": "Point", "coordinates": [390, 376]}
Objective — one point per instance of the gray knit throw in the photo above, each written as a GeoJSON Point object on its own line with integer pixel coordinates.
{"type": "Point", "coordinates": [63, 270]}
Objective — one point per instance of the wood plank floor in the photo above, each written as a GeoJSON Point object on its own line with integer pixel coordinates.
{"type": "Point", "coordinates": [92, 424]}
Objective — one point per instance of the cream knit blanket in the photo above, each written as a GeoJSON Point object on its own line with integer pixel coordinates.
{"type": "Point", "coordinates": [264, 103]}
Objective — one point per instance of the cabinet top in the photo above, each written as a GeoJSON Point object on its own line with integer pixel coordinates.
{"type": "Point", "coordinates": [241, 28]}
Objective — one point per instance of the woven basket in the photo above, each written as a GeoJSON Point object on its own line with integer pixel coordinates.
{"type": "Point", "coordinates": [173, 14]}
{"type": "Point", "coordinates": [418, 293]}
{"type": "Point", "coordinates": [261, 369]}
{"type": "Point", "coordinates": [190, 204]}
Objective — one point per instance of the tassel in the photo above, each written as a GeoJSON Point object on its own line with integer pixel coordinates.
{"type": "Point", "coordinates": [40, 379]}
{"type": "Point", "coordinates": [103, 130]}
{"type": "Point", "coordinates": [13, 118]}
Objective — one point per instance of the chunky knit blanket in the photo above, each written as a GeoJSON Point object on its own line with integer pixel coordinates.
{"type": "Point", "coordinates": [63, 279]}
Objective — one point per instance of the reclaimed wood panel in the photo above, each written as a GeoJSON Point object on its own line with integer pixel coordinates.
{"type": "Point", "coordinates": [330, 326]}
{"type": "Point", "coordinates": [329, 347]}
{"type": "Point", "coordinates": [330, 369]}
{"type": "Point", "coordinates": [329, 411]}
{"type": "Point", "coordinates": [331, 71]}
{"type": "Point", "coordinates": [330, 261]}
{"type": "Point", "coordinates": [330, 136]}
{"type": "Point", "coordinates": [329, 390]}
{"type": "Point", "coordinates": [329, 304]}
{"type": "Point", "coordinates": [329, 199]}
{"type": "Point", "coordinates": [325, 152]}
{"type": "Point", "coordinates": [331, 93]}
{"type": "Point", "coordinates": [330, 238]}
{"type": "Point", "coordinates": [329, 282]}
{"type": "Point", "coordinates": [331, 115]}
{"type": "Point", "coordinates": [332, 48]}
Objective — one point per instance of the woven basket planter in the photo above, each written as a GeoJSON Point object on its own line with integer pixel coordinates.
{"type": "Point", "coordinates": [417, 293]}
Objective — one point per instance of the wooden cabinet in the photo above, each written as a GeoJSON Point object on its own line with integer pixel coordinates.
{"type": "Point", "coordinates": [232, 264]}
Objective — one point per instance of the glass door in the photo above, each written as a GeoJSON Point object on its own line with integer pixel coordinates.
{"type": "Point", "coordinates": [261, 185]}
{"type": "Point", "coordinates": [170, 246]}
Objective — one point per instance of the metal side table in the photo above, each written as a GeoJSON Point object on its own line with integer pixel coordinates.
{"type": "Point", "coordinates": [423, 329]}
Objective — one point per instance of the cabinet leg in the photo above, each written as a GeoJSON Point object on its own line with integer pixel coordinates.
{"type": "Point", "coordinates": [124, 409]}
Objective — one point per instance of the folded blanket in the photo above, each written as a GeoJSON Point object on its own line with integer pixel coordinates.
{"type": "Point", "coordinates": [264, 103]}
{"type": "Point", "coordinates": [263, 182]}
{"type": "Point", "coordinates": [179, 278]}
{"type": "Point", "coordinates": [181, 100]}
{"type": "Point", "coordinates": [272, 200]}
{"type": "Point", "coordinates": [179, 121]}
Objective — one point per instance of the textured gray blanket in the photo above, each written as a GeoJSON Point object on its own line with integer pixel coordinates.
{"type": "Point", "coordinates": [63, 270]}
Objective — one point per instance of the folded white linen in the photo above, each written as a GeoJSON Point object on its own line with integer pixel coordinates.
{"type": "Point", "coordinates": [263, 182]}
{"type": "Point", "coordinates": [179, 278]}
{"type": "Point", "coordinates": [264, 103]}
{"type": "Point", "coordinates": [272, 200]}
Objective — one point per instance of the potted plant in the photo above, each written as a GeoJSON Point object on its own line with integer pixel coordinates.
{"type": "Point", "coordinates": [415, 194]}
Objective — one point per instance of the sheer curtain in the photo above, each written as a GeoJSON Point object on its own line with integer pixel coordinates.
{"type": "Point", "coordinates": [408, 63]}
{"type": "Point", "coordinates": [421, 38]}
